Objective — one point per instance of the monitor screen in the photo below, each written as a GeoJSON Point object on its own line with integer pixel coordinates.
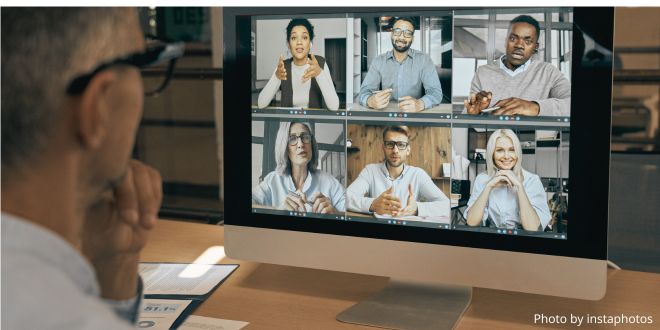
{"type": "Point", "coordinates": [445, 120]}
{"type": "Point", "coordinates": [447, 139]}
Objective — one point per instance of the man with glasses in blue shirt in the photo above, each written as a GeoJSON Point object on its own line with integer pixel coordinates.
{"type": "Point", "coordinates": [76, 211]}
{"type": "Point", "coordinates": [404, 75]}
{"type": "Point", "coordinates": [393, 188]}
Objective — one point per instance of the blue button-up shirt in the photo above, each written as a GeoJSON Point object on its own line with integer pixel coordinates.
{"type": "Point", "coordinates": [48, 284]}
{"type": "Point", "coordinates": [415, 76]}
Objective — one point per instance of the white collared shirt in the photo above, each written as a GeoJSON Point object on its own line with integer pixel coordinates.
{"type": "Point", "coordinates": [517, 71]}
{"type": "Point", "coordinates": [374, 179]}
{"type": "Point", "coordinates": [502, 207]}
{"type": "Point", "coordinates": [274, 188]}
{"type": "Point", "coordinates": [47, 284]}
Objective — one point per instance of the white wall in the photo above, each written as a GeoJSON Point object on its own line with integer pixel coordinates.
{"type": "Point", "coordinates": [271, 41]}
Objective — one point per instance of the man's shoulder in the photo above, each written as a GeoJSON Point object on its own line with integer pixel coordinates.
{"type": "Point", "coordinates": [374, 167]}
{"type": "Point", "coordinates": [372, 170]}
{"type": "Point", "coordinates": [415, 52]}
{"type": "Point", "coordinates": [416, 171]}
{"type": "Point", "coordinates": [489, 68]}
{"type": "Point", "coordinates": [539, 65]}
{"type": "Point", "coordinates": [382, 57]}
{"type": "Point", "coordinates": [45, 293]}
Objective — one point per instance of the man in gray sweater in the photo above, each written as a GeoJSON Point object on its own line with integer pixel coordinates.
{"type": "Point", "coordinates": [518, 84]}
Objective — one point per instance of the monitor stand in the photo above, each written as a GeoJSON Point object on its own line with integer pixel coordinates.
{"type": "Point", "coordinates": [411, 305]}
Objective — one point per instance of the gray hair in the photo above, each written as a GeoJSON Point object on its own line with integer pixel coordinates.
{"type": "Point", "coordinates": [490, 150]}
{"type": "Point", "coordinates": [42, 50]}
{"type": "Point", "coordinates": [282, 149]}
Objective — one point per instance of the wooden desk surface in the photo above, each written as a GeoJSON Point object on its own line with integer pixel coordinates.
{"type": "Point", "coordinates": [281, 297]}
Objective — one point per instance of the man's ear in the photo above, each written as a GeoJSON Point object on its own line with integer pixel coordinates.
{"type": "Point", "coordinates": [93, 110]}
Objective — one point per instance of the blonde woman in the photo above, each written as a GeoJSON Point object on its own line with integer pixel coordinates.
{"type": "Point", "coordinates": [507, 194]}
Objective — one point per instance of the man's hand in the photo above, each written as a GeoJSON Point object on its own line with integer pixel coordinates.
{"type": "Point", "coordinates": [379, 99]}
{"type": "Point", "coordinates": [117, 227]}
{"type": "Point", "coordinates": [411, 207]}
{"type": "Point", "coordinates": [280, 73]}
{"type": "Point", "coordinates": [386, 203]}
{"type": "Point", "coordinates": [516, 106]}
{"type": "Point", "coordinates": [322, 204]}
{"type": "Point", "coordinates": [314, 69]}
{"type": "Point", "coordinates": [410, 104]}
{"type": "Point", "coordinates": [294, 202]}
{"type": "Point", "coordinates": [478, 102]}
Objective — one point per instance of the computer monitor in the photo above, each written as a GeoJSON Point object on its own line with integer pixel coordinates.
{"type": "Point", "coordinates": [360, 123]}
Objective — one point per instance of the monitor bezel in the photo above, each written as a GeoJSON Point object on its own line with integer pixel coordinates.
{"type": "Point", "coordinates": [588, 163]}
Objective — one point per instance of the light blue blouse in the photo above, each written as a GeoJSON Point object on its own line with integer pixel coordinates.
{"type": "Point", "coordinates": [274, 188]}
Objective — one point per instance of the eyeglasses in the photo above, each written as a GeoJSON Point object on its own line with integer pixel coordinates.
{"type": "Point", "coordinates": [152, 56]}
{"type": "Point", "coordinates": [305, 138]}
{"type": "Point", "coordinates": [402, 145]}
{"type": "Point", "coordinates": [406, 33]}
{"type": "Point", "coordinates": [528, 41]}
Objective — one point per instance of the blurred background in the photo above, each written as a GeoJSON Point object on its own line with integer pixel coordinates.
{"type": "Point", "coordinates": [181, 132]}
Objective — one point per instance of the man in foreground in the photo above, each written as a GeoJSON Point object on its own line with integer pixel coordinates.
{"type": "Point", "coordinates": [76, 212]}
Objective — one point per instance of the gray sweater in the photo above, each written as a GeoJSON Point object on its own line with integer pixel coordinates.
{"type": "Point", "coordinates": [541, 82]}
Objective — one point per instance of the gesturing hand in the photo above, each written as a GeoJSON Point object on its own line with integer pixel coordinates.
{"type": "Point", "coordinates": [280, 73]}
{"type": "Point", "coordinates": [322, 204]}
{"type": "Point", "coordinates": [410, 104]}
{"type": "Point", "coordinates": [516, 106]}
{"type": "Point", "coordinates": [379, 99]}
{"type": "Point", "coordinates": [314, 69]}
{"type": "Point", "coordinates": [386, 203]}
{"type": "Point", "coordinates": [477, 102]}
{"type": "Point", "coordinates": [411, 207]}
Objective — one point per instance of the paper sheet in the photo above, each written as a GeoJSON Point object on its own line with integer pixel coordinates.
{"type": "Point", "coordinates": [194, 322]}
{"type": "Point", "coordinates": [182, 279]}
{"type": "Point", "coordinates": [160, 313]}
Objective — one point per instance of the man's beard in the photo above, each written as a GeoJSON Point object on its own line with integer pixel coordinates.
{"type": "Point", "coordinates": [391, 164]}
{"type": "Point", "coordinates": [401, 49]}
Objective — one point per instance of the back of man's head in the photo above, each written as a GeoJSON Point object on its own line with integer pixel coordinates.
{"type": "Point", "coordinates": [43, 49]}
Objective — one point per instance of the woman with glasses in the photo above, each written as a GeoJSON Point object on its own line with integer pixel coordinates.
{"type": "Point", "coordinates": [507, 194]}
{"type": "Point", "coordinates": [303, 79]}
{"type": "Point", "coordinates": [296, 184]}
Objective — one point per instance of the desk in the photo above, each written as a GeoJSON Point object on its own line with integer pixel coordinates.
{"type": "Point", "coordinates": [280, 297]}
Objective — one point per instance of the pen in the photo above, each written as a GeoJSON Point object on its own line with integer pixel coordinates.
{"type": "Point", "coordinates": [388, 90]}
{"type": "Point", "coordinates": [490, 109]}
{"type": "Point", "coordinates": [295, 194]}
